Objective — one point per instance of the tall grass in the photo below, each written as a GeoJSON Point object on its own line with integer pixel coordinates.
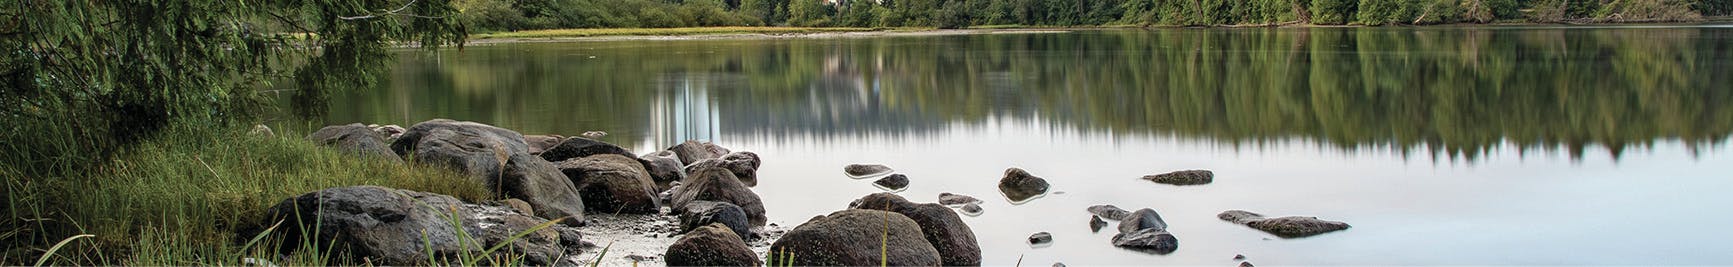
{"type": "Point", "coordinates": [179, 198]}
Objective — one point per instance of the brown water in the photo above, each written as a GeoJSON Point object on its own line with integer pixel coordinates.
{"type": "Point", "coordinates": [1519, 145]}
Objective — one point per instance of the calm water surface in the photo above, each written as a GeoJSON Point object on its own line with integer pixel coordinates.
{"type": "Point", "coordinates": [1533, 145]}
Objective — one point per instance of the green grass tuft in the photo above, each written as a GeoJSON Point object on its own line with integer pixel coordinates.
{"type": "Point", "coordinates": [181, 197]}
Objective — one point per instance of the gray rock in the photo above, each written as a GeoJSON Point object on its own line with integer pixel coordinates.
{"type": "Point", "coordinates": [971, 209]}
{"type": "Point", "coordinates": [1150, 240]}
{"type": "Point", "coordinates": [1285, 227]}
{"type": "Point", "coordinates": [1058, 264]}
{"type": "Point", "coordinates": [711, 245]}
{"type": "Point", "coordinates": [539, 143]}
{"type": "Point", "coordinates": [390, 132]}
{"type": "Point", "coordinates": [865, 170]}
{"type": "Point", "coordinates": [1142, 219]}
{"type": "Point", "coordinates": [1109, 212]}
{"type": "Point", "coordinates": [942, 227]}
{"type": "Point", "coordinates": [1239, 257]}
{"type": "Point", "coordinates": [355, 139]}
{"type": "Point", "coordinates": [497, 157]}
{"type": "Point", "coordinates": [893, 182]}
{"type": "Point", "coordinates": [718, 184]}
{"type": "Point", "coordinates": [853, 237]}
{"type": "Point", "coordinates": [397, 227]}
{"type": "Point", "coordinates": [611, 183]}
{"type": "Point", "coordinates": [1040, 238]}
{"type": "Point", "coordinates": [1246, 264]}
{"type": "Point", "coordinates": [693, 151]}
{"type": "Point", "coordinates": [740, 166]}
{"type": "Point", "coordinates": [665, 168]}
{"type": "Point", "coordinates": [1020, 186]}
{"type": "Point", "coordinates": [956, 199]}
{"type": "Point", "coordinates": [579, 147]}
{"type": "Point", "coordinates": [1095, 223]}
{"type": "Point", "coordinates": [1187, 177]}
{"type": "Point", "coordinates": [700, 213]}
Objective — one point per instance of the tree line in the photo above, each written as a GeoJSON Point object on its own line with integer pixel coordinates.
{"type": "Point", "coordinates": [510, 15]}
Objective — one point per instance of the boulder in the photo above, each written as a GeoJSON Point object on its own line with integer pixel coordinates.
{"type": "Point", "coordinates": [949, 199]}
{"type": "Point", "coordinates": [498, 157]}
{"type": "Point", "coordinates": [1285, 227]}
{"type": "Point", "coordinates": [942, 227]}
{"type": "Point", "coordinates": [855, 237]}
{"type": "Point", "coordinates": [398, 227]}
{"type": "Point", "coordinates": [1152, 240]}
{"type": "Point", "coordinates": [741, 169]}
{"type": "Point", "coordinates": [356, 139]}
{"type": "Point", "coordinates": [1187, 177]}
{"type": "Point", "coordinates": [539, 143]}
{"type": "Point", "coordinates": [1246, 264]}
{"type": "Point", "coordinates": [664, 168]}
{"type": "Point", "coordinates": [1020, 186]}
{"type": "Point", "coordinates": [700, 213]}
{"type": "Point", "coordinates": [718, 184]}
{"type": "Point", "coordinates": [1109, 212]}
{"type": "Point", "coordinates": [1095, 223]}
{"type": "Point", "coordinates": [1040, 238]}
{"type": "Point", "coordinates": [261, 130]}
{"type": "Point", "coordinates": [1142, 219]}
{"type": "Point", "coordinates": [711, 245]}
{"type": "Point", "coordinates": [865, 170]}
{"type": "Point", "coordinates": [893, 182]}
{"type": "Point", "coordinates": [579, 147]}
{"type": "Point", "coordinates": [693, 151]}
{"type": "Point", "coordinates": [611, 183]}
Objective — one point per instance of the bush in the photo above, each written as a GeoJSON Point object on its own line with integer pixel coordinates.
{"type": "Point", "coordinates": [1332, 12]}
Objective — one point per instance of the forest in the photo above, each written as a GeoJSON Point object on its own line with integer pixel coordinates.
{"type": "Point", "coordinates": [512, 15]}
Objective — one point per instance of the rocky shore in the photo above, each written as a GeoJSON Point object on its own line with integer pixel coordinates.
{"type": "Point", "coordinates": [572, 200]}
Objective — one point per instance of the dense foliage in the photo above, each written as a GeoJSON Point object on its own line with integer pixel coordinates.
{"type": "Point", "coordinates": [508, 15]}
{"type": "Point", "coordinates": [83, 84]}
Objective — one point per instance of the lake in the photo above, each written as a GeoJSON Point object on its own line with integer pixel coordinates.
{"type": "Point", "coordinates": [1440, 145]}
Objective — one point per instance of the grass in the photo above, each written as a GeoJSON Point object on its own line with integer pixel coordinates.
{"type": "Point", "coordinates": [180, 197]}
{"type": "Point", "coordinates": [564, 33]}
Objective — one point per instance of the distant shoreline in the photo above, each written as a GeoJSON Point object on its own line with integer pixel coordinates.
{"type": "Point", "coordinates": [747, 33]}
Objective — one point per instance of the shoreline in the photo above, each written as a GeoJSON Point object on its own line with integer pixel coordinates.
{"type": "Point", "coordinates": [783, 33]}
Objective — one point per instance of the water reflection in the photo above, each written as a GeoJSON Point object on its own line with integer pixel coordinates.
{"type": "Point", "coordinates": [1446, 92]}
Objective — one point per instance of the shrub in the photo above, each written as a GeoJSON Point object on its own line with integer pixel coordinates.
{"type": "Point", "coordinates": [1332, 12]}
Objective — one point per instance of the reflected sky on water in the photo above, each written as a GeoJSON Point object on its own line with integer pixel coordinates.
{"type": "Point", "coordinates": [1452, 145]}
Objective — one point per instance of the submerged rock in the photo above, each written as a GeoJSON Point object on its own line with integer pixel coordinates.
{"type": "Point", "coordinates": [1142, 219]}
{"type": "Point", "coordinates": [893, 182]}
{"type": "Point", "coordinates": [956, 199]}
{"type": "Point", "coordinates": [1285, 227]}
{"type": "Point", "coordinates": [356, 139]}
{"type": "Point", "coordinates": [718, 184]}
{"type": "Point", "coordinates": [943, 228]}
{"type": "Point", "coordinates": [700, 213]}
{"type": "Point", "coordinates": [1095, 223]}
{"type": "Point", "coordinates": [1109, 212]}
{"type": "Point", "coordinates": [1019, 186]}
{"type": "Point", "coordinates": [865, 170]}
{"type": "Point", "coordinates": [853, 237]}
{"type": "Point", "coordinates": [612, 183]}
{"type": "Point", "coordinates": [398, 227]}
{"type": "Point", "coordinates": [1040, 238]}
{"type": "Point", "coordinates": [971, 209]}
{"type": "Point", "coordinates": [497, 157]}
{"type": "Point", "coordinates": [711, 245]}
{"type": "Point", "coordinates": [1187, 177]}
{"type": "Point", "coordinates": [1151, 240]}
